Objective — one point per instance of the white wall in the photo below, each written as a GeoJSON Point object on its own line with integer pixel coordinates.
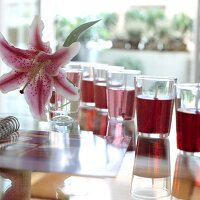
{"type": "Point", "coordinates": [176, 64]}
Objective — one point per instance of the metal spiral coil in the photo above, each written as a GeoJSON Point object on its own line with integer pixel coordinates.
{"type": "Point", "coordinates": [8, 125]}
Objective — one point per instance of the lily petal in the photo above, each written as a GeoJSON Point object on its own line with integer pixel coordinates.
{"type": "Point", "coordinates": [64, 87]}
{"type": "Point", "coordinates": [35, 36]}
{"type": "Point", "coordinates": [37, 95]}
{"type": "Point", "coordinates": [19, 59]}
{"type": "Point", "coordinates": [61, 57]}
{"type": "Point", "coordinates": [12, 80]}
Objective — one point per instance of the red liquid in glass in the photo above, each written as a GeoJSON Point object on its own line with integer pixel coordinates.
{"type": "Point", "coordinates": [87, 91]}
{"type": "Point", "coordinates": [154, 115]}
{"type": "Point", "coordinates": [121, 103]}
{"type": "Point", "coordinates": [53, 97]}
{"type": "Point", "coordinates": [188, 130]}
{"type": "Point", "coordinates": [100, 96]}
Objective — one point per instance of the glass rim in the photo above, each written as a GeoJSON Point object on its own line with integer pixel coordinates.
{"type": "Point", "coordinates": [106, 67]}
{"type": "Point", "coordinates": [124, 71]}
{"type": "Point", "coordinates": [158, 78]}
{"type": "Point", "coordinates": [99, 68]}
{"type": "Point", "coordinates": [68, 69]}
{"type": "Point", "coordinates": [188, 86]}
{"type": "Point", "coordinates": [93, 64]}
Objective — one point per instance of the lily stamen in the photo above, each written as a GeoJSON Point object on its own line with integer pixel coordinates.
{"type": "Point", "coordinates": [33, 75]}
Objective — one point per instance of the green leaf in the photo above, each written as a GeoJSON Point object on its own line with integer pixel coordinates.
{"type": "Point", "coordinates": [74, 35]}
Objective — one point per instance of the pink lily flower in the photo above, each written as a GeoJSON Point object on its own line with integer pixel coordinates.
{"type": "Point", "coordinates": [37, 70]}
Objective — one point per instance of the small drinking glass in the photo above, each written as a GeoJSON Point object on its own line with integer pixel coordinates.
{"type": "Point", "coordinates": [74, 74]}
{"type": "Point", "coordinates": [188, 117]}
{"type": "Point", "coordinates": [154, 99]}
{"type": "Point", "coordinates": [121, 93]}
{"type": "Point", "coordinates": [100, 95]}
{"type": "Point", "coordinates": [63, 112]}
{"type": "Point", "coordinates": [87, 85]}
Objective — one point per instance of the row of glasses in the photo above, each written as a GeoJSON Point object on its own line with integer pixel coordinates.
{"type": "Point", "coordinates": [113, 88]}
{"type": "Point", "coordinates": [114, 91]}
{"type": "Point", "coordinates": [155, 99]}
{"type": "Point", "coordinates": [109, 89]}
{"type": "Point", "coordinates": [62, 112]}
{"type": "Point", "coordinates": [121, 92]}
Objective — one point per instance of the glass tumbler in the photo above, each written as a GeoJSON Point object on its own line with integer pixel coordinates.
{"type": "Point", "coordinates": [155, 100]}
{"type": "Point", "coordinates": [120, 86]}
{"type": "Point", "coordinates": [87, 85]}
{"type": "Point", "coordinates": [188, 117]}
{"type": "Point", "coordinates": [63, 112]}
{"type": "Point", "coordinates": [100, 94]}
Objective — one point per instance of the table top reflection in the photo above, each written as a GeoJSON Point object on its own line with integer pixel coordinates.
{"type": "Point", "coordinates": [147, 163]}
{"type": "Point", "coordinates": [82, 154]}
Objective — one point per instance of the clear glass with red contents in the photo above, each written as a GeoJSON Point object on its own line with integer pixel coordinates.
{"type": "Point", "coordinates": [155, 101]}
{"type": "Point", "coordinates": [120, 85]}
{"type": "Point", "coordinates": [100, 94]}
{"type": "Point", "coordinates": [63, 112]}
{"type": "Point", "coordinates": [188, 117]}
{"type": "Point", "coordinates": [87, 84]}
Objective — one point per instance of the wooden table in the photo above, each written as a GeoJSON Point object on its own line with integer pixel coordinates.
{"type": "Point", "coordinates": [163, 162]}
